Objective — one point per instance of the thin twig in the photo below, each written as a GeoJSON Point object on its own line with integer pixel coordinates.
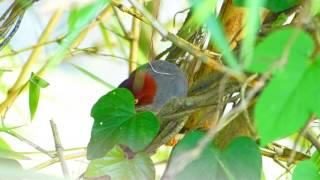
{"type": "Point", "coordinates": [31, 47]}
{"type": "Point", "coordinates": [30, 143]}
{"type": "Point", "coordinates": [56, 160]}
{"type": "Point", "coordinates": [59, 149]}
{"type": "Point", "coordinates": [104, 14]}
{"type": "Point", "coordinates": [297, 140]}
{"type": "Point", "coordinates": [122, 26]}
{"type": "Point", "coordinates": [20, 82]}
{"type": "Point", "coordinates": [54, 151]}
{"type": "Point", "coordinates": [205, 56]}
{"type": "Point", "coordinates": [313, 139]}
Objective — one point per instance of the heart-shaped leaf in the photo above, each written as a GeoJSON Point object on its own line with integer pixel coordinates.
{"type": "Point", "coordinates": [291, 96]}
{"type": "Point", "coordinates": [240, 160]}
{"type": "Point", "coordinates": [116, 165]}
{"type": "Point", "coordinates": [116, 122]}
{"type": "Point", "coordinates": [288, 101]}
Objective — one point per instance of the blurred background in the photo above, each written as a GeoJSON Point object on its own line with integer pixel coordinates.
{"type": "Point", "coordinates": [86, 73]}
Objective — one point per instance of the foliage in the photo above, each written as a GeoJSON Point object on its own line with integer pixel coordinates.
{"type": "Point", "coordinates": [35, 84]}
{"type": "Point", "coordinates": [240, 160]}
{"type": "Point", "coordinates": [308, 169]}
{"type": "Point", "coordinates": [276, 70]}
{"type": "Point", "coordinates": [291, 91]}
{"type": "Point", "coordinates": [116, 122]}
{"type": "Point", "coordinates": [273, 5]}
{"type": "Point", "coordinates": [116, 165]}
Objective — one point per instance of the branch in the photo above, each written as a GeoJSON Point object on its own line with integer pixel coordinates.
{"type": "Point", "coordinates": [134, 44]}
{"type": "Point", "coordinates": [20, 82]}
{"type": "Point", "coordinates": [181, 161]}
{"type": "Point", "coordinates": [35, 146]}
{"type": "Point", "coordinates": [206, 56]}
{"type": "Point", "coordinates": [59, 149]}
{"type": "Point", "coordinates": [313, 139]}
{"type": "Point", "coordinates": [56, 160]}
{"type": "Point", "coordinates": [13, 53]}
{"type": "Point", "coordinates": [175, 113]}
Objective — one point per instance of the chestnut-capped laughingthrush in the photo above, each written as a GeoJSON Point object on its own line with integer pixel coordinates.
{"type": "Point", "coordinates": [155, 83]}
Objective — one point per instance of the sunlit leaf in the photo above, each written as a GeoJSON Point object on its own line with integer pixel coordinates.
{"type": "Point", "coordinates": [35, 84]}
{"type": "Point", "coordinates": [273, 5]}
{"type": "Point", "coordinates": [291, 96]}
{"type": "Point", "coordinates": [307, 169]}
{"type": "Point", "coordinates": [220, 41]}
{"type": "Point", "coordinates": [77, 13]}
{"type": "Point", "coordinates": [203, 9]}
{"type": "Point", "coordinates": [288, 101]}
{"type": "Point", "coordinates": [252, 24]}
{"type": "Point", "coordinates": [203, 13]}
{"type": "Point", "coordinates": [315, 7]}
{"type": "Point", "coordinates": [77, 24]}
{"type": "Point", "coordinates": [117, 165]}
{"type": "Point", "coordinates": [116, 122]}
{"type": "Point", "coordinates": [240, 160]}
{"type": "Point", "coordinates": [281, 47]}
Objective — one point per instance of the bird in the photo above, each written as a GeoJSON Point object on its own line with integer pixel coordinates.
{"type": "Point", "coordinates": [155, 83]}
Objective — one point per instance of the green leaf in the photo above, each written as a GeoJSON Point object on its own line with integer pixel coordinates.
{"type": "Point", "coordinates": [273, 5]}
{"type": "Point", "coordinates": [77, 13]}
{"type": "Point", "coordinates": [203, 9]}
{"type": "Point", "coordinates": [315, 7]}
{"type": "Point", "coordinates": [116, 165]}
{"type": "Point", "coordinates": [240, 160]}
{"type": "Point", "coordinates": [280, 5]}
{"type": "Point", "coordinates": [288, 101]}
{"type": "Point", "coordinates": [285, 45]}
{"type": "Point", "coordinates": [203, 14]}
{"type": "Point", "coordinates": [307, 169]}
{"type": "Point", "coordinates": [35, 83]}
{"type": "Point", "coordinates": [116, 122]}
{"type": "Point", "coordinates": [77, 23]}
{"type": "Point", "coordinates": [38, 81]}
{"type": "Point", "coordinates": [220, 41]}
{"type": "Point", "coordinates": [250, 30]}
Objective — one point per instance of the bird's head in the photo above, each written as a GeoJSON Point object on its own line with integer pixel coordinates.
{"type": "Point", "coordinates": [153, 84]}
{"type": "Point", "coordinates": [142, 85]}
